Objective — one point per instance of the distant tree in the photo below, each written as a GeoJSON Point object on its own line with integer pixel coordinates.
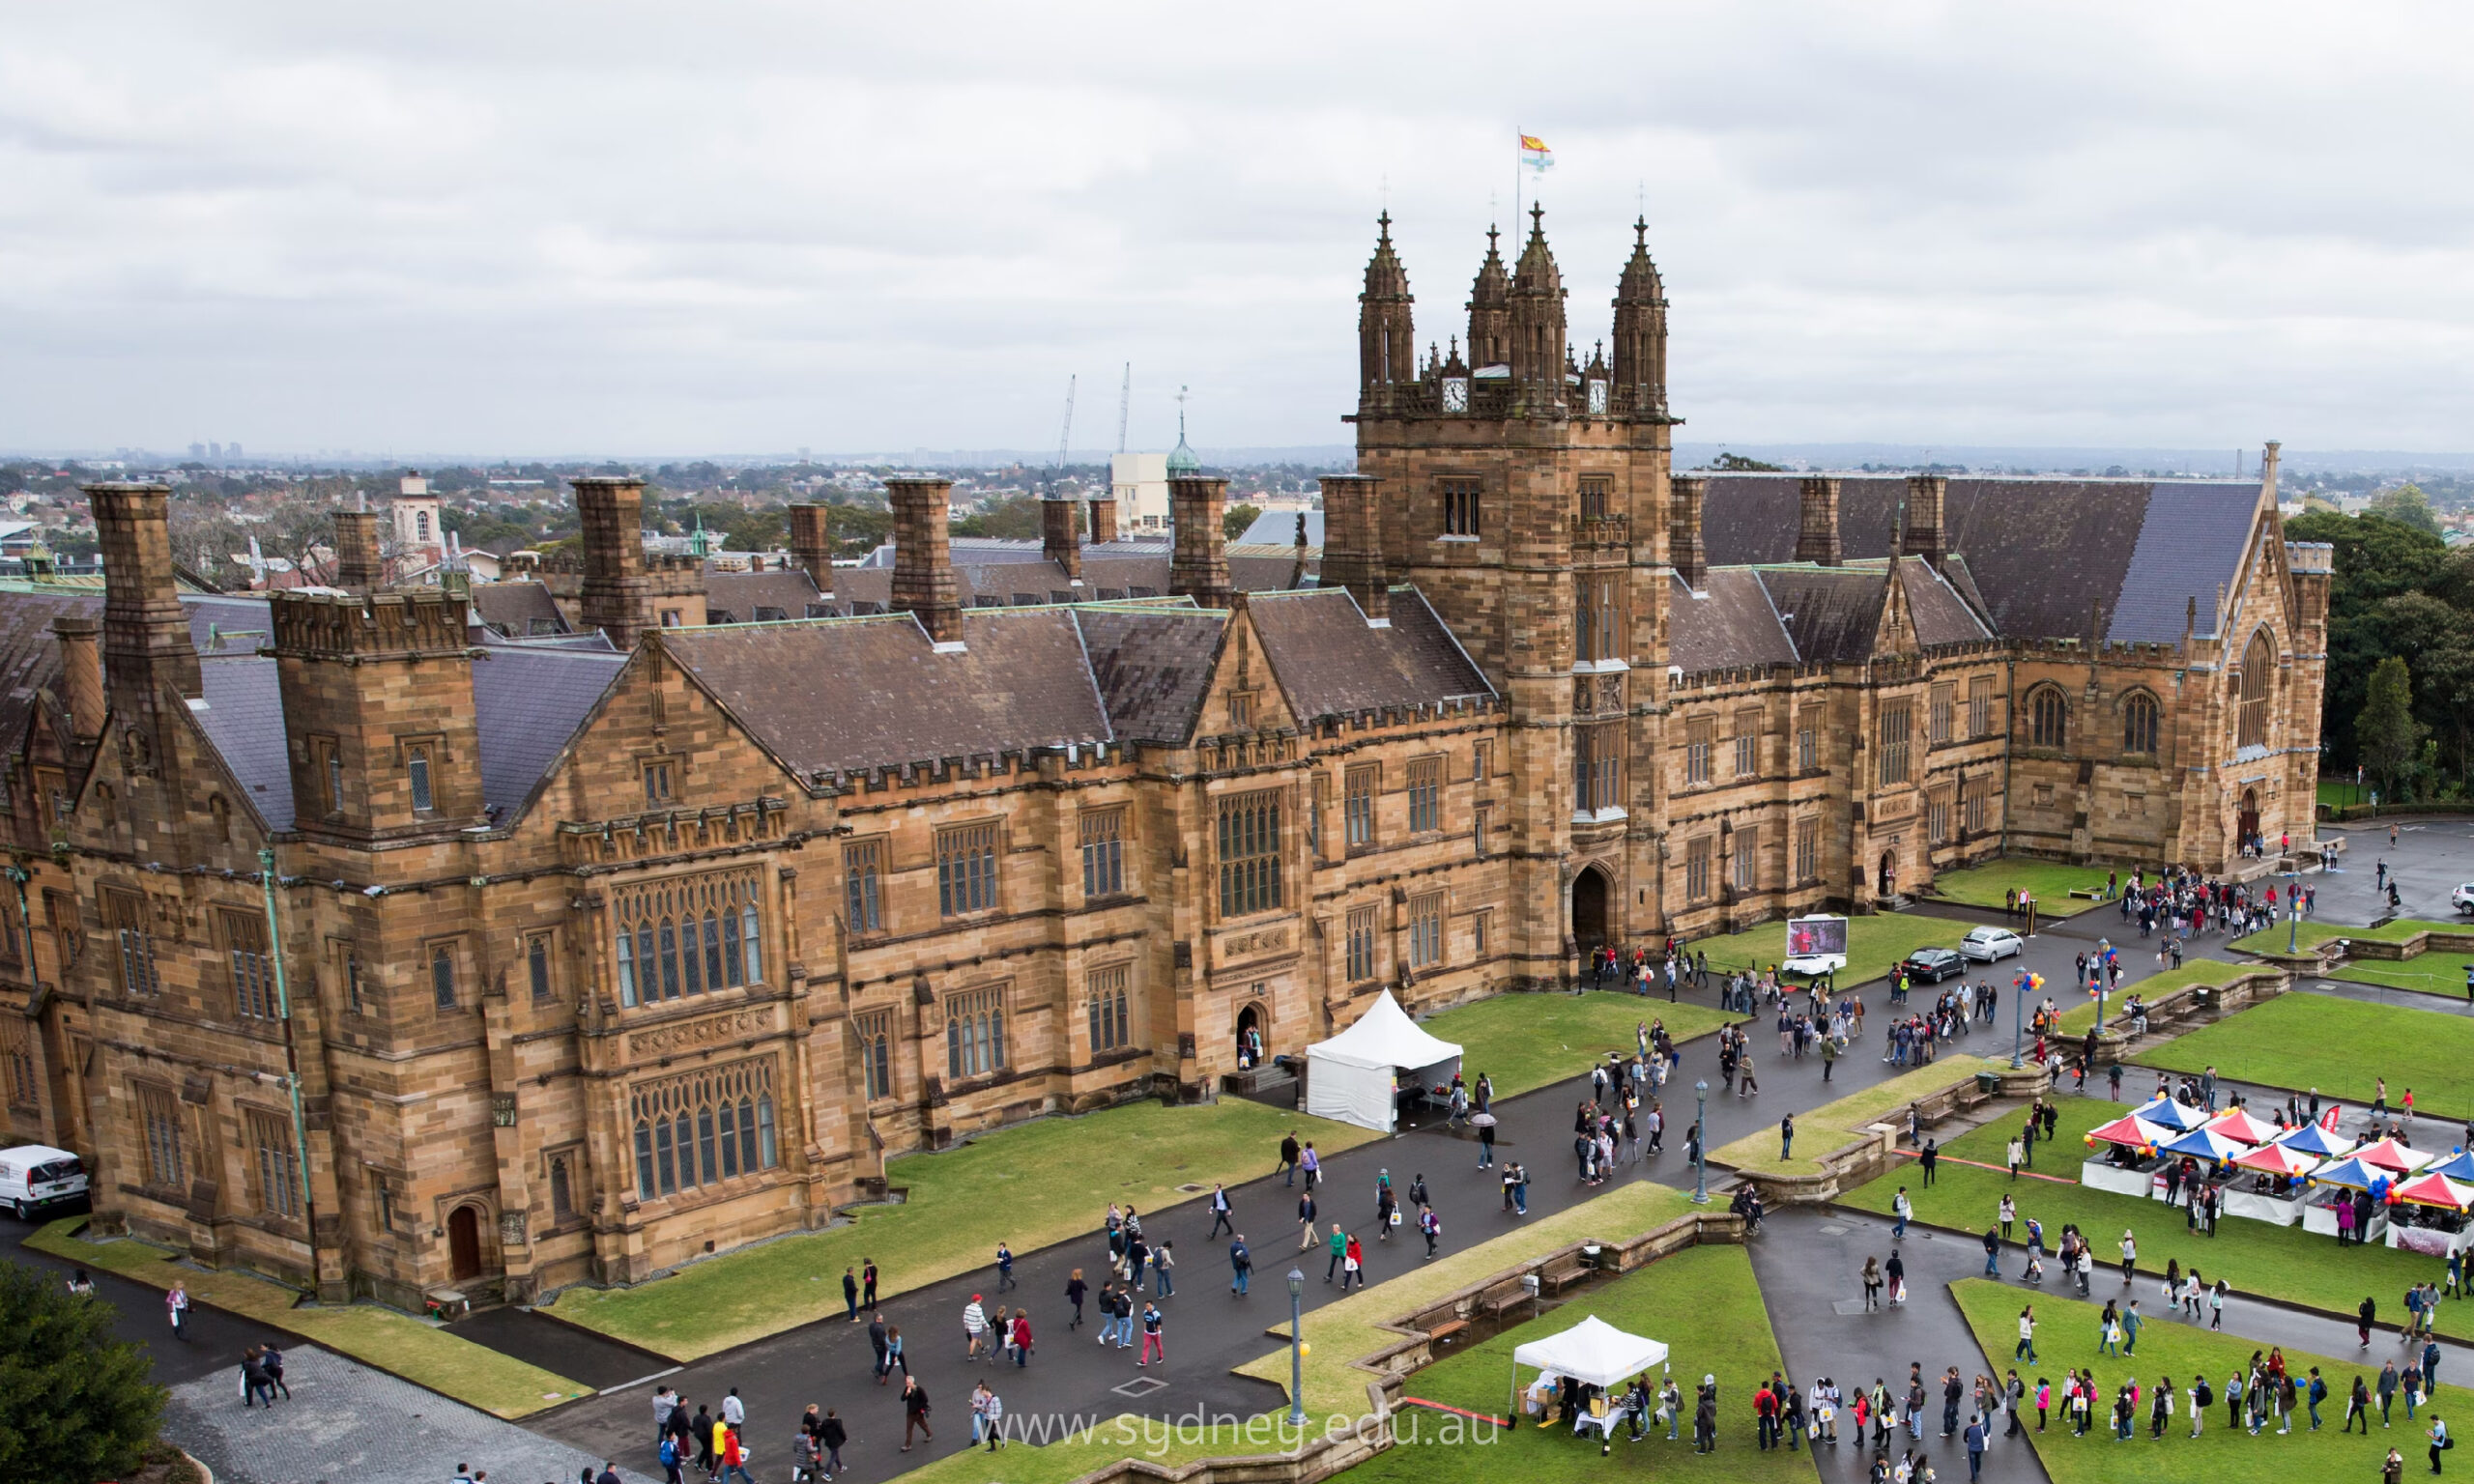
{"type": "Point", "coordinates": [2408, 505]}
{"type": "Point", "coordinates": [2386, 732]}
{"type": "Point", "coordinates": [858, 529]}
{"type": "Point", "coordinates": [1017, 519]}
{"type": "Point", "coordinates": [1737, 464]}
{"type": "Point", "coordinates": [1238, 519]}
{"type": "Point", "coordinates": [75, 1403]}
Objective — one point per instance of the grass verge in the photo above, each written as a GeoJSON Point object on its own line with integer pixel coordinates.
{"type": "Point", "coordinates": [2423, 973]}
{"type": "Point", "coordinates": [1874, 943]}
{"type": "Point", "coordinates": [2050, 882]}
{"type": "Point", "coordinates": [2075, 1022]}
{"type": "Point", "coordinates": [2282, 1262]}
{"type": "Point", "coordinates": [2312, 932]}
{"type": "Point", "coordinates": [2337, 1045]}
{"type": "Point", "coordinates": [1830, 1125]}
{"type": "Point", "coordinates": [1030, 1185]}
{"type": "Point", "coordinates": [413, 1348]}
{"type": "Point", "coordinates": [1525, 1041]}
{"type": "Point", "coordinates": [2222, 1454]}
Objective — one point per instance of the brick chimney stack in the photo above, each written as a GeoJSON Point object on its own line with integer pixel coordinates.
{"type": "Point", "coordinates": [812, 543]}
{"type": "Point", "coordinates": [1686, 494]}
{"type": "Point", "coordinates": [616, 596]}
{"type": "Point", "coordinates": [145, 636]}
{"type": "Point", "coordinates": [1199, 565]}
{"type": "Point", "coordinates": [1927, 533]}
{"type": "Point", "coordinates": [923, 563]}
{"type": "Point", "coordinates": [359, 566]}
{"type": "Point", "coordinates": [1104, 520]}
{"type": "Point", "coordinates": [1817, 540]}
{"type": "Point", "coordinates": [1061, 535]}
{"type": "Point", "coordinates": [81, 674]}
{"type": "Point", "coordinates": [1353, 542]}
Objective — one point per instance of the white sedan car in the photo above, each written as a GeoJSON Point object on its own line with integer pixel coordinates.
{"type": "Point", "coordinates": [2462, 898]}
{"type": "Point", "coordinates": [1986, 944]}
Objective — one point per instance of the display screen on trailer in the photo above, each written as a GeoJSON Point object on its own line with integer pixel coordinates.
{"type": "Point", "coordinates": [1810, 936]}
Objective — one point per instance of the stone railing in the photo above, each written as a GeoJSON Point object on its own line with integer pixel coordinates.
{"type": "Point", "coordinates": [2193, 1005]}
{"type": "Point", "coordinates": [1387, 1369]}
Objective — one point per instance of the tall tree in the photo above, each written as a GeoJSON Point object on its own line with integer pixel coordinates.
{"type": "Point", "coordinates": [76, 1404]}
{"type": "Point", "coordinates": [2390, 738]}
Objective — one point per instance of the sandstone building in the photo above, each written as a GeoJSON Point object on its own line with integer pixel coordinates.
{"type": "Point", "coordinates": [560, 930]}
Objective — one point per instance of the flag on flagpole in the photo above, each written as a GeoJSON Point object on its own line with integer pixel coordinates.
{"type": "Point", "coordinates": [1535, 154]}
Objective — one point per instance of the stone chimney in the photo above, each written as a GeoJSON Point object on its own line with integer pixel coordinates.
{"type": "Point", "coordinates": [617, 597]}
{"type": "Point", "coordinates": [81, 674]}
{"type": "Point", "coordinates": [1817, 540]}
{"type": "Point", "coordinates": [923, 563]}
{"type": "Point", "coordinates": [812, 543]}
{"type": "Point", "coordinates": [1353, 542]}
{"type": "Point", "coordinates": [1061, 535]}
{"type": "Point", "coordinates": [1686, 494]}
{"type": "Point", "coordinates": [146, 634]}
{"type": "Point", "coordinates": [359, 566]}
{"type": "Point", "coordinates": [1104, 520]}
{"type": "Point", "coordinates": [1199, 565]}
{"type": "Point", "coordinates": [1927, 533]}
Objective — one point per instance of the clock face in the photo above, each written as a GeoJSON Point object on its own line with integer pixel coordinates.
{"type": "Point", "coordinates": [1598, 399]}
{"type": "Point", "coordinates": [1455, 395]}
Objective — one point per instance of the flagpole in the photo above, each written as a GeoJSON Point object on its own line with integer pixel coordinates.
{"type": "Point", "coordinates": [1515, 184]}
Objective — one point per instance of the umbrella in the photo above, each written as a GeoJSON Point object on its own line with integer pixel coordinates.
{"type": "Point", "coordinates": [2235, 1123]}
{"type": "Point", "coordinates": [2352, 1174]}
{"type": "Point", "coordinates": [1481, 1120]}
{"type": "Point", "coordinates": [2457, 1166]}
{"type": "Point", "coordinates": [2388, 1154]}
{"type": "Point", "coordinates": [2166, 1113]}
{"type": "Point", "coordinates": [2204, 1144]}
{"type": "Point", "coordinates": [2434, 1190]}
{"type": "Point", "coordinates": [2277, 1159]}
{"type": "Point", "coordinates": [2130, 1128]}
{"type": "Point", "coordinates": [2312, 1139]}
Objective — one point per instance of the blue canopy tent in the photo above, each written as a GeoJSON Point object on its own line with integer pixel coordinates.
{"type": "Point", "coordinates": [2166, 1113]}
{"type": "Point", "coordinates": [2205, 1144]}
{"type": "Point", "coordinates": [2312, 1139]}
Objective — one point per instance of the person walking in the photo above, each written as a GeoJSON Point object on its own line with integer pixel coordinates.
{"type": "Point", "coordinates": [176, 1302]}
{"type": "Point", "coordinates": [850, 1290]}
{"type": "Point", "coordinates": [1288, 1152]}
{"type": "Point", "coordinates": [1075, 1290]}
{"type": "Point", "coordinates": [1219, 1214]}
{"type": "Point", "coordinates": [914, 1412]}
{"type": "Point", "coordinates": [2358, 1405]}
{"type": "Point", "coordinates": [2027, 1349]}
{"type": "Point", "coordinates": [1872, 1283]}
{"type": "Point", "coordinates": [1163, 1265]}
{"type": "Point", "coordinates": [1339, 1250]}
{"type": "Point", "coordinates": [1241, 1265]}
{"type": "Point", "coordinates": [1352, 1263]}
{"type": "Point", "coordinates": [1305, 1219]}
{"type": "Point", "coordinates": [2130, 1255]}
{"type": "Point", "coordinates": [2018, 1155]}
{"type": "Point", "coordinates": [1430, 1227]}
{"type": "Point", "coordinates": [1787, 1137]}
{"type": "Point", "coordinates": [1901, 1210]}
{"type": "Point", "coordinates": [1311, 1163]}
{"type": "Point", "coordinates": [867, 1283]}
{"type": "Point", "coordinates": [1021, 1338]}
{"type": "Point", "coordinates": [974, 1328]}
{"type": "Point", "coordinates": [1931, 1156]}
{"type": "Point", "coordinates": [2009, 1213]}
{"type": "Point", "coordinates": [1153, 1344]}
{"type": "Point", "coordinates": [830, 1436]}
{"type": "Point", "coordinates": [1992, 1252]}
{"type": "Point", "coordinates": [2441, 1442]}
{"type": "Point", "coordinates": [1005, 1267]}
{"type": "Point", "coordinates": [2362, 1318]}
{"type": "Point", "coordinates": [1486, 1143]}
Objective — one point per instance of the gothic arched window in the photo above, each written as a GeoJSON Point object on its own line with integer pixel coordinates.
{"type": "Point", "coordinates": [2259, 674]}
{"type": "Point", "coordinates": [2047, 717]}
{"type": "Point", "coordinates": [2139, 724]}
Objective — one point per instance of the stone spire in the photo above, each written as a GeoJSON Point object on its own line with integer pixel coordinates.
{"type": "Point", "coordinates": [1386, 337]}
{"type": "Point", "coordinates": [1537, 344]}
{"type": "Point", "coordinates": [1490, 310]}
{"type": "Point", "coordinates": [1640, 330]}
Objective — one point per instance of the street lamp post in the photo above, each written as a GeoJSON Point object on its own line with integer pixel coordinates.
{"type": "Point", "coordinates": [1296, 1350]}
{"type": "Point", "coordinates": [2292, 909]}
{"type": "Point", "coordinates": [1700, 1143]}
{"type": "Point", "coordinates": [2103, 946]}
{"type": "Point", "coordinates": [2018, 1017]}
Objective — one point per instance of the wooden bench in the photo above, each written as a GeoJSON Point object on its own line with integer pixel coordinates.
{"type": "Point", "coordinates": [1506, 1302]}
{"type": "Point", "coordinates": [1446, 1330]}
{"type": "Point", "coordinates": [1562, 1272]}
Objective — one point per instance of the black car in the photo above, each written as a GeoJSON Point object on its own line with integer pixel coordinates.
{"type": "Point", "coordinates": [1932, 965]}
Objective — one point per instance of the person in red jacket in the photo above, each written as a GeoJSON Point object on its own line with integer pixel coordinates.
{"type": "Point", "coordinates": [1021, 1337]}
{"type": "Point", "coordinates": [1765, 1406]}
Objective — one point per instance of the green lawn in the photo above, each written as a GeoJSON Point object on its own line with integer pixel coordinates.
{"type": "Point", "coordinates": [2282, 1262]}
{"type": "Point", "coordinates": [1528, 1040]}
{"type": "Point", "coordinates": [413, 1349]}
{"type": "Point", "coordinates": [1830, 1125]}
{"type": "Point", "coordinates": [2066, 1340]}
{"type": "Point", "coordinates": [2423, 973]}
{"type": "Point", "coordinates": [1874, 943]}
{"type": "Point", "coordinates": [2303, 1041]}
{"type": "Point", "coordinates": [1032, 1186]}
{"type": "Point", "coordinates": [2050, 882]}
{"type": "Point", "coordinates": [1335, 1335]}
{"type": "Point", "coordinates": [2079, 1017]}
{"type": "Point", "coordinates": [2337, 794]}
{"type": "Point", "coordinates": [2313, 931]}
{"type": "Point", "coordinates": [1702, 1303]}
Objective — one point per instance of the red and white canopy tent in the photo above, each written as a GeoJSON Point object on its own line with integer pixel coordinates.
{"type": "Point", "coordinates": [2434, 1190]}
{"type": "Point", "coordinates": [2277, 1159]}
{"type": "Point", "coordinates": [2388, 1154]}
{"type": "Point", "coordinates": [2130, 1129]}
{"type": "Point", "coordinates": [2239, 1125]}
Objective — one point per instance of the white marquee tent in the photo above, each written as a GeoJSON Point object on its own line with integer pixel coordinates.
{"type": "Point", "coordinates": [1593, 1351]}
{"type": "Point", "coordinates": [1352, 1077]}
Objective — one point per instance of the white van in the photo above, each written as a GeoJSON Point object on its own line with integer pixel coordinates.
{"type": "Point", "coordinates": [34, 1176]}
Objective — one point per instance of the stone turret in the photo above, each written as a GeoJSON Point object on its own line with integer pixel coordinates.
{"type": "Point", "coordinates": [1538, 350]}
{"type": "Point", "coordinates": [1490, 310]}
{"type": "Point", "coordinates": [1386, 336]}
{"type": "Point", "coordinates": [1640, 332]}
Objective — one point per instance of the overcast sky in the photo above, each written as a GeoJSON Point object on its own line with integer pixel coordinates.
{"type": "Point", "coordinates": [642, 229]}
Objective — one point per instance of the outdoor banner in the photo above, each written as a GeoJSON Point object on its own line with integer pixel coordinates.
{"type": "Point", "coordinates": [1807, 936]}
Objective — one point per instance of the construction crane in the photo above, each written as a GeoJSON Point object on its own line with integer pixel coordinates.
{"type": "Point", "coordinates": [1066, 436]}
{"type": "Point", "coordinates": [1124, 402]}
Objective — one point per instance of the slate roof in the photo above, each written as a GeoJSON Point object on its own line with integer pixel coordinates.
{"type": "Point", "coordinates": [30, 657]}
{"type": "Point", "coordinates": [1152, 667]}
{"type": "Point", "coordinates": [1729, 623]}
{"type": "Point", "coordinates": [1278, 527]}
{"type": "Point", "coordinates": [2196, 536]}
{"type": "Point", "coordinates": [528, 702]}
{"type": "Point", "coordinates": [1021, 583]}
{"type": "Point", "coordinates": [751, 597]}
{"type": "Point", "coordinates": [998, 550]}
{"type": "Point", "coordinates": [1331, 663]}
{"type": "Point", "coordinates": [1830, 613]}
{"type": "Point", "coordinates": [845, 697]}
{"type": "Point", "coordinates": [243, 719]}
{"type": "Point", "coordinates": [516, 608]}
{"type": "Point", "coordinates": [1941, 616]}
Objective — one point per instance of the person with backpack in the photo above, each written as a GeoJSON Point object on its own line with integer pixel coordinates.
{"type": "Point", "coordinates": [1430, 1227]}
{"type": "Point", "coordinates": [669, 1454]}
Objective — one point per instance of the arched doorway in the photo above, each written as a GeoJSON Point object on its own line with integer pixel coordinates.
{"type": "Point", "coordinates": [2246, 822]}
{"type": "Point", "coordinates": [1589, 909]}
{"type": "Point", "coordinates": [463, 1243]}
{"type": "Point", "coordinates": [1250, 1036]}
{"type": "Point", "coordinates": [1888, 886]}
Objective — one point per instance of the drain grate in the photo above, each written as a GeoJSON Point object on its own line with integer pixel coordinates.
{"type": "Point", "coordinates": [1140, 1386]}
{"type": "Point", "coordinates": [1192, 1189]}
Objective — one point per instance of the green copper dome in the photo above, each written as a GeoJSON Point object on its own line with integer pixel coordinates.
{"type": "Point", "coordinates": [1181, 459]}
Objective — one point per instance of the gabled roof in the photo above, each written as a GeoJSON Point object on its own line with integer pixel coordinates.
{"type": "Point", "coordinates": [527, 702]}
{"type": "Point", "coordinates": [244, 719]}
{"type": "Point", "coordinates": [517, 608]}
{"type": "Point", "coordinates": [1331, 663]}
{"type": "Point", "coordinates": [1830, 613]}
{"type": "Point", "coordinates": [753, 597]}
{"type": "Point", "coordinates": [1153, 667]}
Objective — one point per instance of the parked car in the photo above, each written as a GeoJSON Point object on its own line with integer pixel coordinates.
{"type": "Point", "coordinates": [1986, 944]}
{"type": "Point", "coordinates": [2462, 898]}
{"type": "Point", "coordinates": [1932, 965]}
{"type": "Point", "coordinates": [34, 1178]}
